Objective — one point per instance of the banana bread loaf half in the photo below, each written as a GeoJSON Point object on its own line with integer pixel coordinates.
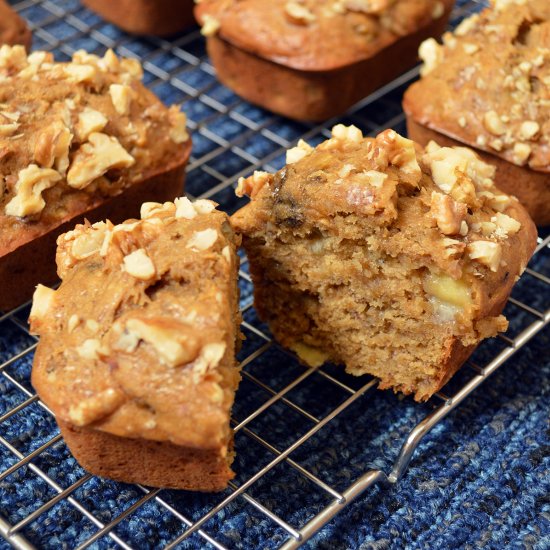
{"type": "Point", "coordinates": [390, 259]}
{"type": "Point", "coordinates": [158, 17]}
{"type": "Point", "coordinates": [312, 60]}
{"type": "Point", "coordinates": [13, 30]}
{"type": "Point", "coordinates": [137, 346]}
{"type": "Point", "coordinates": [78, 140]}
{"type": "Point", "coordinates": [488, 86]}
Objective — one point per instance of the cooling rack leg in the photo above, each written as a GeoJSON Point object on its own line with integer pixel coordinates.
{"type": "Point", "coordinates": [360, 486]}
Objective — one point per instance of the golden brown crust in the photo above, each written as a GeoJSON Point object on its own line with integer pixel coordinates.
{"type": "Point", "coordinates": [313, 95]}
{"type": "Point", "coordinates": [139, 340]}
{"type": "Point", "coordinates": [158, 17]}
{"type": "Point", "coordinates": [74, 135]}
{"type": "Point", "coordinates": [530, 187]}
{"type": "Point", "coordinates": [487, 86]}
{"type": "Point", "coordinates": [392, 260]}
{"type": "Point", "coordinates": [153, 463]}
{"type": "Point", "coordinates": [316, 35]}
{"type": "Point", "coordinates": [13, 30]}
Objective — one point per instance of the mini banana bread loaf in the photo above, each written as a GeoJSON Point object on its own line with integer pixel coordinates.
{"type": "Point", "coordinates": [313, 59]}
{"type": "Point", "coordinates": [159, 17]}
{"type": "Point", "coordinates": [13, 30]}
{"type": "Point", "coordinates": [391, 260]}
{"type": "Point", "coordinates": [137, 346]}
{"type": "Point", "coordinates": [79, 139]}
{"type": "Point", "coordinates": [488, 86]}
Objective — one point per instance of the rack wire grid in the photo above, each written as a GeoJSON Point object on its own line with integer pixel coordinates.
{"type": "Point", "coordinates": [294, 426]}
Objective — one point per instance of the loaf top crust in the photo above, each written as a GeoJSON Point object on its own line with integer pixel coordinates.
{"type": "Point", "coordinates": [13, 29]}
{"type": "Point", "coordinates": [488, 85]}
{"type": "Point", "coordinates": [439, 205]}
{"type": "Point", "coordinates": [316, 35]}
{"type": "Point", "coordinates": [139, 339]}
{"type": "Point", "coordinates": [74, 134]}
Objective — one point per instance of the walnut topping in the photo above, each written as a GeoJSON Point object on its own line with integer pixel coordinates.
{"type": "Point", "coordinates": [402, 154]}
{"type": "Point", "coordinates": [506, 224]}
{"type": "Point", "coordinates": [52, 147]}
{"type": "Point", "coordinates": [184, 208]}
{"type": "Point", "coordinates": [447, 213]}
{"type": "Point", "coordinates": [226, 253]}
{"type": "Point", "coordinates": [522, 151]}
{"type": "Point", "coordinates": [486, 252]}
{"type": "Point", "coordinates": [210, 356]}
{"type": "Point", "coordinates": [139, 265]}
{"type": "Point", "coordinates": [252, 185]}
{"type": "Point", "coordinates": [529, 129]}
{"type": "Point", "coordinates": [204, 206]}
{"type": "Point", "coordinates": [154, 209]}
{"type": "Point", "coordinates": [493, 123]}
{"type": "Point", "coordinates": [73, 322]}
{"type": "Point", "coordinates": [203, 240]}
{"type": "Point", "coordinates": [87, 243]}
{"type": "Point", "coordinates": [90, 349]}
{"type": "Point", "coordinates": [89, 121]}
{"type": "Point", "coordinates": [350, 134]}
{"type": "Point", "coordinates": [31, 182]}
{"type": "Point", "coordinates": [178, 125]}
{"type": "Point", "coordinates": [77, 73]}
{"type": "Point", "coordinates": [93, 159]}
{"type": "Point", "coordinates": [42, 302]}
{"type": "Point", "coordinates": [297, 13]}
{"type": "Point", "coordinates": [12, 58]}
{"type": "Point", "coordinates": [210, 25]}
{"type": "Point", "coordinates": [431, 54]}
{"type": "Point", "coordinates": [297, 153]}
{"type": "Point", "coordinates": [375, 178]}
{"type": "Point", "coordinates": [121, 96]}
{"type": "Point", "coordinates": [91, 409]}
{"type": "Point", "coordinates": [168, 341]}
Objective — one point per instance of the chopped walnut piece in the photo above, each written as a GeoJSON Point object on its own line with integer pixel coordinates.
{"type": "Point", "coordinates": [506, 224]}
{"type": "Point", "coordinates": [204, 206]}
{"type": "Point", "coordinates": [297, 153]}
{"type": "Point", "coordinates": [89, 349]}
{"type": "Point", "coordinates": [522, 151]}
{"type": "Point", "coordinates": [166, 338]}
{"type": "Point", "coordinates": [89, 121]}
{"type": "Point", "coordinates": [210, 25]}
{"type": "Point", "coordinates": [203, 240]}
{"type": "Point", "coordinates": [52, 147]}
{"type": "Point", "coordinates": [93, 159]}
{"type": "Point", "coordinates": [447, 213]}
{"type": "Point", "coordinates": [31, 182]}
{"type": "Point", "coordinates": [88, 243]}
{"type": "Point", "coordinates": [178, 125]}
{"type": "Point", "coordinates": [493, 123]}
{"type": "Point", "coordinates": [210, 356]}
{"type": "Point", "coordinates": [402, 153]}
{"type": "Point", "coordinates": [42, 302]}
{"type": "Point", "coordinates": [350, 134]}
{"type": "Point", "coordinates": [184, 208]}
{"type": "Point", "coordinates": [486, 252]}
{"type": "Point", "coordinates": [298, 13]}
{"type": "Point", "coordinates": [139, 265]}
{"type": "Point", "coordinates": [80, 73]}
{"type": "Point", "coordinates": [431, 54]}
{"type": "Point", "coordinates": [93, 408]}
{"type": "Point", "coordinates": [252, 185]}
{"type": "Point", "coordinates": [529, 129]}
{"type": "Point", "coordinates": [121, 96]}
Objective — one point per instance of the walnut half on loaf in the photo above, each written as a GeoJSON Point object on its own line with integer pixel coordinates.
{"type": "Point", "coordinates": [390, 259]}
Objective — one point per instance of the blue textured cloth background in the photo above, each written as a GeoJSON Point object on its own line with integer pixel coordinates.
{"type": "Point", "coordinates": [479, 479]}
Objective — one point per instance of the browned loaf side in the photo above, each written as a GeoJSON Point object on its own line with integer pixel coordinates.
{"type": "Point", "coordinates": [137, 347]}
{"type": "Point", "coordinates": [83, 139]}
{"type": "Point", "coordinates": [392, 260]}
{"type": "Point", "coordinates": [487, 87]}
{"type": "Point", "coordinates": [158, 17]}
{"type": "Point", "coordinates": [13, 30]}
{"type": "Point", "coordinates": [315, 63]}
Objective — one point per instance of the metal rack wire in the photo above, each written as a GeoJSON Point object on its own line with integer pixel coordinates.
{"type": "Point", "coordinates": [279, 427]}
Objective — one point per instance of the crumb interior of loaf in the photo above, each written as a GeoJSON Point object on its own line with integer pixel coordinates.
{"type": "Point", "coordinates": [357, 303]}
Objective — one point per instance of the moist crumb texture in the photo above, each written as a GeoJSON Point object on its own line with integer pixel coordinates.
{"type": "Point", "coordinates": [13, 30]}
{"type": "Point", "coordinates": [137, 346]}
{"type": "Point", "coordinates": [390, 259]}
{"type": "Point", "coordinates": [488, 86]}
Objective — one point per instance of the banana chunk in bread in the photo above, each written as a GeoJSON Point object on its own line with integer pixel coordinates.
{"type": "Point", "coordinates": [390, 259]}
{"type": "Point", "coordinates": [82, 139]}
{"type": "Point", "coordinates": [137, 346]}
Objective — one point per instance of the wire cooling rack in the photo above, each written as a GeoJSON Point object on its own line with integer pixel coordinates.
{"type": "Point", "coordinates": [309, 441]}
